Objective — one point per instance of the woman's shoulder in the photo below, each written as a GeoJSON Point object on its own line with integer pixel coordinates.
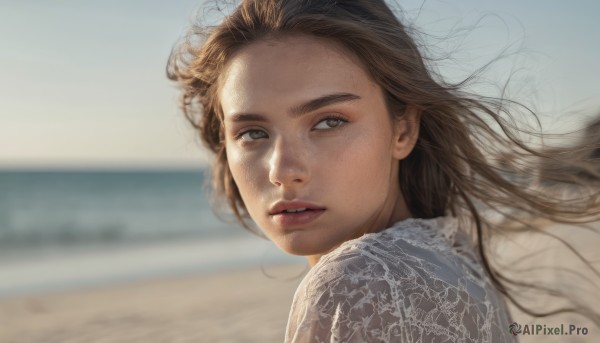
{"type": "Point", "coordinates": [408, 249]}
{"type": "Point", "coordinates": [344, 299]}
{"type": "Point", "coordinates": [397, 283]}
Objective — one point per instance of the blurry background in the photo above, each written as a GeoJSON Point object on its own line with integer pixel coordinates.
{"type": "Point", "coordinates": [101, 177]}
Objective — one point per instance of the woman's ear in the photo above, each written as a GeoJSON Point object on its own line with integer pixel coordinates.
{"type": "Point", "coordinates": [406, 132]}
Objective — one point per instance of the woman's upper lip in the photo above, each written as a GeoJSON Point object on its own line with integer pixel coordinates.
{"type": "Point", "coordinates": [281, 206]}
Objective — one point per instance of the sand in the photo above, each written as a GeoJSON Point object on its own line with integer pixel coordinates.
{"type": "Point", "coordinates": [228, 306]}
{"type": "Point", "coordinates": [239, 305]}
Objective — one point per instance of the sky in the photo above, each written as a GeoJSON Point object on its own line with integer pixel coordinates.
{"type": "Point", "coordinates": [83, 85]}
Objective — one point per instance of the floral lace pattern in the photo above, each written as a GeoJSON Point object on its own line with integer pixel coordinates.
{"type": "Point", "coordinates": [417, 281]}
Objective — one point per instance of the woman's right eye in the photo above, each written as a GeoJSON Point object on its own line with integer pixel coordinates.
{"type": "Point", "coordinates": [251, 135]}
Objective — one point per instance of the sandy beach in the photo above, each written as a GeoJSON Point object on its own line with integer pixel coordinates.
{"type": "Point", "coordinates": [235, 304]}
{"type": "Point", "coordinates": [243, 305]}
{"type": "Point", "coordinates": [240, 305]}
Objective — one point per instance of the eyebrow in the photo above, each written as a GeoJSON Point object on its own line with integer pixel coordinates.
{"type": "Point", "coordinates": [297, 111]}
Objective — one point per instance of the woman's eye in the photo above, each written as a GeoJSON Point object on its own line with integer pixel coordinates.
{"type": "Point", "coordinates": [330, 123]}
{"type": "Point", "coordinates": [251, 135]}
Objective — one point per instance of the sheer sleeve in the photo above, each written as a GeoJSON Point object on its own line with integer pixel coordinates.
{"type": "Point", "coordinates": [414, 283]}
{"type": "Point", "coordinates": [342, 304]}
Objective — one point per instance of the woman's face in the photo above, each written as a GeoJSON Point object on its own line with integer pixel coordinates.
{"type": "Point", "coordinates": [305, 123]}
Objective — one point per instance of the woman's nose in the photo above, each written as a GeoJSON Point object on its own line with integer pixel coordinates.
{"type": "Point", "coordinates": [288, 164]}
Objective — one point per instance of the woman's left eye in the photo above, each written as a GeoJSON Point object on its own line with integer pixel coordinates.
{"type": "Point", "coordinates": [330, 123]}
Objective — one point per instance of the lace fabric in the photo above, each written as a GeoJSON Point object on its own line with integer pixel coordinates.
{"type": "Point", "coordinates": [417, 281]}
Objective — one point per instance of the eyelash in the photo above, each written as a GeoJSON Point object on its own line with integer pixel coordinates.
{"type": "Point", "coordinates": [334, 117]}
{"type": "Point", "coordinates": [330, 117]}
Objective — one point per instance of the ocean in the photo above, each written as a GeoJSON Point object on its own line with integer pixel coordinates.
{"type": "Point", "coordinates": [62, 230]}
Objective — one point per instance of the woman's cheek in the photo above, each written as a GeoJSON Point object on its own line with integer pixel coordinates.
{"type": "Point", "coordinates": [352, 151]}
{"type": "Point", "coordinates": [364, 160]}
{"type": "Point", "coordinates": [240, 167]}
{"type": "Point", "coordinates": [254, 169]}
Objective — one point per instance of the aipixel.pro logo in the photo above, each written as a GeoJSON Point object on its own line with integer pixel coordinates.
{"type": "Point", "coordinates": [543, 329]}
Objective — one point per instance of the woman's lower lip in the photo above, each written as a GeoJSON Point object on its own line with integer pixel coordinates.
{"type": "Point", "coordinates": [297, 218]}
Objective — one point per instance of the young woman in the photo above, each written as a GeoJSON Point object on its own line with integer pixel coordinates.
{"type": "Point", "coordinates": [333, 136]}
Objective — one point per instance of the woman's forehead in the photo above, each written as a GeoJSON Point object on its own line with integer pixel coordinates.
{"type": "Point", "coordinates": [290, 68]}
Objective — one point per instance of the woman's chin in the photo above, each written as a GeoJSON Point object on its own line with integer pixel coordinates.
{"type": "Point", "coordinates": [297, 246]}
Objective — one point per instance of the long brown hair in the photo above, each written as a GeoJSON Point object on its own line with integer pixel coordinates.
{"type": "Point", "coordinates": [472, 155]}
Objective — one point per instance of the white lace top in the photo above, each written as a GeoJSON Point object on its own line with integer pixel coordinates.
{"type": "Point", "coordinates": [417, 281]}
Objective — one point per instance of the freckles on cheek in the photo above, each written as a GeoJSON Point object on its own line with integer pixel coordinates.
{"type": "Point", "coordinates": [363, 161]}
{"type": "Point", "coordinates": [362, 148]}
{"type": "Point", "coordinates": [245, 172]}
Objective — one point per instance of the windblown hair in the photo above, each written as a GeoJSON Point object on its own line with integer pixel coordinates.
{"type": "Point", "coordinates": [455, 166]}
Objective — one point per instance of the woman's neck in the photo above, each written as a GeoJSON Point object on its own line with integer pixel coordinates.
{"type": "Point", "coordinates": [395, 211]}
